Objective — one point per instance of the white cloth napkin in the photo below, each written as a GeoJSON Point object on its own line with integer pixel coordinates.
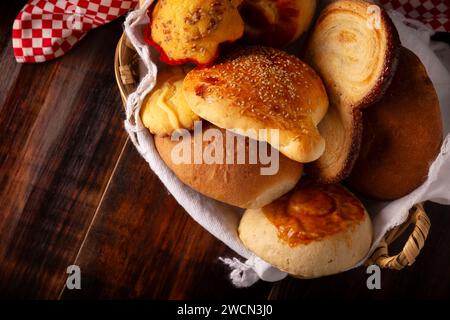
{"type": "Point", "coordinates": [222, 220]}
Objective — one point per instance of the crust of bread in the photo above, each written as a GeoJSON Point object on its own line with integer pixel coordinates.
{"type": "Point", "coordinates": [241, 185]}
{"type": "Point", "coordinates": [327, 169]}
{"type": "Point", "coordinates": [402, 134]}
{"type": "Point", "coordinates": [263, 88]}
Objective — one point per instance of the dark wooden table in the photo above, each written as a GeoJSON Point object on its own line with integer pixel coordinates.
{"type": "Point", "coordinates": [74, 191]}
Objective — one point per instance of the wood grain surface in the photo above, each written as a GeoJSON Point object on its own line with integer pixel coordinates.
{"type": "Point", "coordinates": [74, 191]}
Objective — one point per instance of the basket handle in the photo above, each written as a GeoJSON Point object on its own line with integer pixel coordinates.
{"type": "Point", "coordinates": [412, 247]}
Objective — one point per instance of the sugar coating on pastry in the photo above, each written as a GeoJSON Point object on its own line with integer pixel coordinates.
{"type": "Point", "coordinates": [165, 109]}
{"type": "Point", "coordinates": [313, 231]}
{"type": "Point", "coordinates": [191, 31]}
{"type": "Point", "coordinates": [262, 88]}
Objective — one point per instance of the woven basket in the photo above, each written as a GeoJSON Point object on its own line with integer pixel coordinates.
{"type": "Point", "coordinates": [126, 65]}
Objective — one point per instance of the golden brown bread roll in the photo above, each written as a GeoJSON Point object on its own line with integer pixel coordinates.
{"type": "Point", "coordinates": [402, 134]}
{"type": "Point", "coordinates": [354, 47]}
{"type": "Point", "coordinates": [313, 231]}
{"type": "Point", "coordinates": [241, 185]}
{"type": "Point", "coordinates": [276, 23]}
{"type": "Point", "coordinates": [262, 88]}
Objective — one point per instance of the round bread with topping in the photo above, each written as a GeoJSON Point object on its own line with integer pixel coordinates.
{"type": "Point", "coordinates": [313, 231]}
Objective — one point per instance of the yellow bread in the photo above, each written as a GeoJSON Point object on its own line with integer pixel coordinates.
{"type": "Point", "coordinates": [165, 109]}
{"type": "Point", "coordinates": [192, 30]}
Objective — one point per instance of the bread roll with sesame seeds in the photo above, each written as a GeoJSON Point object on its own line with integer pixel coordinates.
{"type": "Point", "coordinates": [262, 88]}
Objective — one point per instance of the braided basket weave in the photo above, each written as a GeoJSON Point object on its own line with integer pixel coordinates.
{"type": "Point", "coordinates": [126, 70]}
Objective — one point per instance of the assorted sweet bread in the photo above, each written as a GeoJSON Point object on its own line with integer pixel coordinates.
{"type": "Point", "coordinates": [340, 112]}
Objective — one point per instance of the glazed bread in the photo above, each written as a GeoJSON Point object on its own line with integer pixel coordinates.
{"type": "Point", "coordinates": [262, 88]}
{"type": "Point", "coordinates": [314, 231]}
{"type": "Point", "coordinates": [402, 134]}
{"type": "Point", "coordinates": [241, 185]}
{"type": "Point", "coordinates": [354, 48]}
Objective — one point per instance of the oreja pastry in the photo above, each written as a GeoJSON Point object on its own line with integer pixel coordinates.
{"type": "Point", "coordinates": [402, 134]}
{"type": "Point", "coordinates": [165, 109]}
{"type": "Point", "coordinates": [313, 231]}
{"type": "Point", "coordinates": [191, 31]}
{"type": "Point", "coordinates": [354, 48]}
{"type": "Point", "coordinates": [276, 23]}
{"type": "Point", "coordinates": [262, 88]}
{"type": "Point", "coordinates": [241, 185]}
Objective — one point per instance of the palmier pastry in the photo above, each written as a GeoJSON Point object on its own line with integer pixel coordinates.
{"type": "Point", "coordinates": [313, 231]}
{"type": "Point", "coordinates": [262, 88]}
{"type": "Point", "coordinates": [276, 23]}
{"type": "Point", "coordinates": [191, 31]}
{"type": "Point", "coordinates": [242, 185]}
{"type": "Point", "coordinates": [402, 134]}
{"type": "Point", "coordinates": [354, 47]}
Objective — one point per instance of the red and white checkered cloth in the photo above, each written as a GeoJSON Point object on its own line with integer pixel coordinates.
{"type": "Point", "coordinates": [433, 13]}
{"type": "Point", "coordinates": [47, 29]}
